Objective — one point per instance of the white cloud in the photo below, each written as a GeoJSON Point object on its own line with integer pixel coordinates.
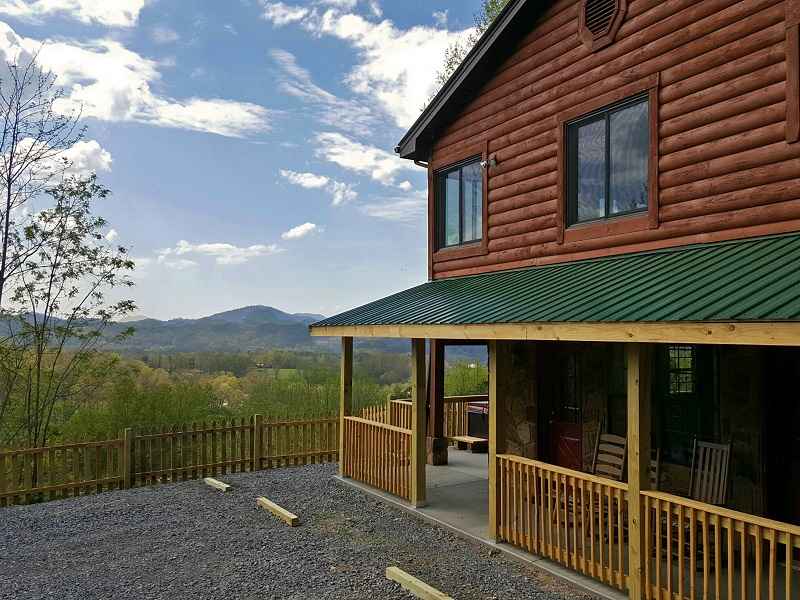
{"type": "Point", "coordinates": [230, 29]}
{"type": "Point", "coordinates": [295, 233]}
{"type": "Point", "coordinates": [440, 17]}
{"type": "Point", "coordinates": [340, 192]}
{"type": "Point", "coordinates": [87, 156]}
{"type": "Point", "coordinates": [367, 160]}
{"type": "Point", "coordinates": [310, 181]}
{"type": "Point", "coordinates": [164, 35]}
{"type": "Point", "coordinates": [111, 235]}
{"type": "Point", "coordinates": [109, 82]}
{"type": "Point", "coordinates": [395, 66]}
{"type": "Point", "coordinates": [330, 110]}
{"type": "Point", "coordinates": [410, 209]}
{"type": "Point", "coordinates": [177, 264]}
{"type": "Point", "coordinates": [280, 14]}
{"type": "Point", "coordinates": [223, 253]}
{"type": "Point", "coordinates": [112, 13]}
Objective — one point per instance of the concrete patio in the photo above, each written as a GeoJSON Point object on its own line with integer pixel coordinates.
{"type": "Point", "coordinates": [458, 493]}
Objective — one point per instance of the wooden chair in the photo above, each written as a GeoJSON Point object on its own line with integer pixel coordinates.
{"type": "Point", "coordinates": [708, 480]}
{"type": "Point", "coordinates": [655, 469]}
{"type": "Point", "coordinates": [610, 454]}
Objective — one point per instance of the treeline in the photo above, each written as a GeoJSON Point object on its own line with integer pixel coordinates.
{"type": "Point", "coordinates": [162, 390]}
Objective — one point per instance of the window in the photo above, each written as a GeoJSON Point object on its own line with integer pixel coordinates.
{"type": "Point", "coordinates": [681, 367]}
{"type": "Point", "coordinates": [608, 156]}
{"type": "Point", "coordinates": [687, 398]}
{"type": "Point", "coordinates": [460, 204]}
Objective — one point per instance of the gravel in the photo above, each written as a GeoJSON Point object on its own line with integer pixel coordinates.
{"type": "Point", "coordinates": [186, 540]}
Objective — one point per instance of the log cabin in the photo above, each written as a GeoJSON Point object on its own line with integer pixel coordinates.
{"type": "Point", "coordinates": [614, 211]}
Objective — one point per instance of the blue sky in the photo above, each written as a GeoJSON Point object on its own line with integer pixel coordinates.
{"type": "Point", "coordinates": [248, 143]}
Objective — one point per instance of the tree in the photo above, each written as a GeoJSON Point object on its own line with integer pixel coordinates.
{"type": "Point", "coordinates": [455, 53]}
{"type": "Point", "coordinates": [33, 138]}
{"type": "Point", "coordinates": [34, 135]}
{"type": "Point", "coordinates": [59, 301]}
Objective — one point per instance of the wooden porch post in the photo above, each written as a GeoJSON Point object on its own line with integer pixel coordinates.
{"type": "Point", "coordinates": [345, 394]}
{"type": "Point", "coordinates": [418, 418]}
{"type": "Point", "coordinates": [639, 371]}
{"type": "Point", "coordinates": [497, 364]}
{"type": "Point", "coordinates": [436, 442]}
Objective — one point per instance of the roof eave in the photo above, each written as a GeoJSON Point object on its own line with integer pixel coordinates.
{"type": "Point", "coordinates": [408, 147]}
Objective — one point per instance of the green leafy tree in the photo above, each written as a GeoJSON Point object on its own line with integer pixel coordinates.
{"type": "Point", "coordinates": [60, 303]}
{"type": "Point", "coordinates": [455, 53]}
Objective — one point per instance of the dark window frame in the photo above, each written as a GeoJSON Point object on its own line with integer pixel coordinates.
{"type": "Point", "coordinates": [571, 129]}
{"type": "Point", "coordinates": [682, 415]}
{"type": "Point", "coordinates": [440, 212]}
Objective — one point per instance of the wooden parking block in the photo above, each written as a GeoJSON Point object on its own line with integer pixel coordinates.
{"type": "Point", "coordinates": [284, 515]}
{"type": "Point", "coordinates": [216, 484]}
{"type": "Point", "coordinates": [418, 588]}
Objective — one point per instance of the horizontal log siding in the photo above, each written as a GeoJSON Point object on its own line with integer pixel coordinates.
{"type": "Point", "coordinates": [725, 169]}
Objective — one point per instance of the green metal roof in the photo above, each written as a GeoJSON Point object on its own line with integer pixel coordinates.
{"type": "Point", "coordinates": [745, 280]}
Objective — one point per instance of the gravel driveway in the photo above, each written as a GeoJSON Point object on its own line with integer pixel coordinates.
{"type": "Point", "coordinates": [186, 540]}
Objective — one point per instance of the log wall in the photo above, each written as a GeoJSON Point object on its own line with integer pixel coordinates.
{"type": "Point", "coordinates": [724, 166]}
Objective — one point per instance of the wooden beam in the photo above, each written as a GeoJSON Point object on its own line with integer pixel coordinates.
{"type": "Point", "coordinates": [497, 362]}
{"type": "Point", "coordinates": [639, 409]}
{"type": "Point", "coordinates": [418, 435]}
{"type": "Point", "coordinates": [216, 484]}
{"type": "Point", "coordinates": [345, 394]}
{"type": "Point", "coordinates": [416, 587]}
{"type": "Point", "coordinates": [291, 519]}
{"type": "Point", "coordinates": [436, 390]}
{"type": "Point", "coordinates": [772, 333]}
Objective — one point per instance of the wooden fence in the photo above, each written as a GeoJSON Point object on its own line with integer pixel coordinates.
{"type": "Point", "coordinates": [695, 550]}
{"type": "Point", "coordinates": [169, 455]}
{"type": "Point", "coordinates": [456, 414]}
{"type": "Point", "coordinates": [576, 519]}
{"type": "Point", "coordinates": [398, 413]}
{"type": "Point", "coordinates": [378, 454]}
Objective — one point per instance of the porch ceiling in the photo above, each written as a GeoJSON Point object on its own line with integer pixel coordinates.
{"type": "Point", "coordinates": [727, 287]}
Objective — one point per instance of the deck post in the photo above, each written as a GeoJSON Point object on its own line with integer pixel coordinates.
{"type": "Point", "coordinates": [345, 395]}
{"type": "Point", "coordinates": [639, 358]}
{"type": "Point", "coordinates": [497, 363]}
{"type": "Point", "coordinates": [418, 418]}
{"type": "Point", "coordinates": [436, 441]}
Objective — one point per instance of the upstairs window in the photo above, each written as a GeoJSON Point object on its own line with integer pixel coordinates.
{"type": "Point", "coordinates": [459, 199]}
{"type": "Point", "coordinates": [608, 153]}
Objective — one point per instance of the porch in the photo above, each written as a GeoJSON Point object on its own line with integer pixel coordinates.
{"type": "Point", "coordinates": [584, 521]}
{"type": "Point", "coordinates": [687, 359]}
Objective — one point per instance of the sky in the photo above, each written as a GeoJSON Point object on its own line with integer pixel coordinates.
{"type": "Point", "coordinates": [248, 144]}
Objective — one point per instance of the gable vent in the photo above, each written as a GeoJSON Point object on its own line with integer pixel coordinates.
{"type": "Point", "coordinates": [600, 21]}
{"type": "Point", "coordinates": [599, 14]}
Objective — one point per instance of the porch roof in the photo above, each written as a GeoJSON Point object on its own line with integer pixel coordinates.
{"type": "Point", "coordinates": [744, 281]}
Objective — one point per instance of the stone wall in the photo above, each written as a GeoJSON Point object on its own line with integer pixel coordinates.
{"type": "Point", "coordinates": [518, 398]}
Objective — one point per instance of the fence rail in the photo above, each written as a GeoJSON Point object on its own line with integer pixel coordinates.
{"type": "Point", "coordinates": [696, 550]}
{"type": "Point", "coordinates": [178, 454]}
{"type": "Point", "coordinates": [570, 517]}
{"type": "Point", "coordinates": [378, 454]}
{"type": "Point", "coordinates": [456, 414]}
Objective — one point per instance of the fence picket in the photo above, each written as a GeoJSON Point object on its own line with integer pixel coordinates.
{"type": "Point", "coordinates": [177, 453]}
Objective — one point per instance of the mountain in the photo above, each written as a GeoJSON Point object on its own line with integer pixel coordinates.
{"type": "Point", "coordinates": [238, 330]}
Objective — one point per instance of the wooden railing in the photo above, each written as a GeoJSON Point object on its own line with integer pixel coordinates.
{"type": "Point", "coordinates": [400, 413]}
{"type": "Point", "coordinates": [456, 414]}
{"type": "Point", "coordinates": [178, 454]}
{"type": "Point", "coordinates": [570, 517]}
{"type": "Point", "coordinates": [695, 550]}
{"type": "Point", "coordinates": [375, 413]}
{"type": "Point", "coordinates": [378, 454]}
{"type": "Point", "coordinates": [60, 471]}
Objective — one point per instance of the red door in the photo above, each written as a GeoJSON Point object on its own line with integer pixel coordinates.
{"type": "Point", "coordinates": [565, 445]}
